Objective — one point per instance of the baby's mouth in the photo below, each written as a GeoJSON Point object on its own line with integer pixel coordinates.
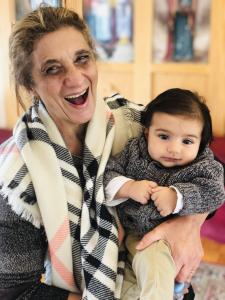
{"type": "Point", "coordinates": [171, 159]}
{"type": "Point", "coordinates": [77, 99]}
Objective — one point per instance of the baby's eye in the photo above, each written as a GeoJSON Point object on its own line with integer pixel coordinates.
{"type": "Point", "coordinates": [187, 142]}
{"type": "Point", "coordinates": [53, 70]}
{"type": "Point", "coordinates": [163, 136]}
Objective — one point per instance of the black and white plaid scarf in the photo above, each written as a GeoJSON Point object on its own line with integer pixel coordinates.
{"type": "Point", "coordinates": [42, 185]}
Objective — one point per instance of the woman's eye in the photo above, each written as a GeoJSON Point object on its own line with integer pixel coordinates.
{"type": "Point", "coordinates": [53, 70]}
{"type": "Point", "coordinates": [82, 59]}
{"type": "Point", "coordinates": [187, 142]}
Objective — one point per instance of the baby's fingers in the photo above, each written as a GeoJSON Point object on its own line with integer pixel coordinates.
{"type": "Point", "coordinates": [156, 189]}
{"type": "Point", "coordinates": [144, 198]}
{"type": "Point", "coordinates": [154, 196]}
{"type": "Point", "coordinates": [144, 201]}
{"type": "Point", "coordinates": [153, 184]}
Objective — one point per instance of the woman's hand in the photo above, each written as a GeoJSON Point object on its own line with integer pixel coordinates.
{"type": "Point", "coordinates": [74, 296]}
{"type": "Point", "coordinates": [183, 236]}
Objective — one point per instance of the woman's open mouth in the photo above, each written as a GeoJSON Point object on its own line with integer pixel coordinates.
{"type": "Point", "coordinates": [77, 99]}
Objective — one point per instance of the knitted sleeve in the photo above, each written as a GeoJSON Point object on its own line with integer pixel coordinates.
{"type": "Point", "coordinates": [116, 165]}
{"type": "Point", "coordinates": [22, 253]}
{"type": "Point", "coordinates": [205, 191]}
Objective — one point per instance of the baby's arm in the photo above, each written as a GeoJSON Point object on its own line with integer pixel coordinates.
{"type": "Point", "coordinates": [201, 192]}
{"type": "Point", "coordinates": [205, 192]}
{"type": "Point", "coordinates": [139, 191]}
{"type": "Point", "coordinates": [118, 185]}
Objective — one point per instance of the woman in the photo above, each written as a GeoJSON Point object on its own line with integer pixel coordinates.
{"type": "Point", "coordinates": [51, 171]}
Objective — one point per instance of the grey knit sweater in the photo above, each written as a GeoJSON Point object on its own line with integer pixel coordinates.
{"type": "Point", "coordinates": [201, 183]}
{"type": "Point", "coordinates": [22, 253]}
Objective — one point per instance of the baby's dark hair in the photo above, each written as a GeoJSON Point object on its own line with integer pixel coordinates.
{"type": "Point", "coordinates": [185, 103]}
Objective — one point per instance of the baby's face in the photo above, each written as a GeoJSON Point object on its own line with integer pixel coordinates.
{"type": "Point", "coordinates": [173, 140]}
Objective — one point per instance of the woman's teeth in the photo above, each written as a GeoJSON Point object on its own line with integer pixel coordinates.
{"type": "Point", "coordinates": [77, 99]}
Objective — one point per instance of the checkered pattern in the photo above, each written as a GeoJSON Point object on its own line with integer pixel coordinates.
{"type": "Point", "coordinates": [42, 185]}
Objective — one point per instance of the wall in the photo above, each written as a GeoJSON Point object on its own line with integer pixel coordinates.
{"type": "Point", "coordinates": [4, 73]}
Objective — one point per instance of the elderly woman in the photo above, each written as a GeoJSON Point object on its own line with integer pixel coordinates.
{"type": "Point", "coordinates": [52, 201]}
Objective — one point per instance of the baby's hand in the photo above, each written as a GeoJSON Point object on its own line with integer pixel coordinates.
{"type": "Point", "coordinates": [165, 199]}
{"type": "Point", "coordinates": [140, 191]}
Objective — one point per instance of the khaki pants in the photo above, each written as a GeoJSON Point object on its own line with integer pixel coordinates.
{"type": "Point", "coordinates": [150, 273]}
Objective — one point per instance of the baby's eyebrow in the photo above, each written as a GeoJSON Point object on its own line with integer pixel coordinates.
{"type": "Point", "coordinates": [192, 136]}
{"type": "Point", "coordinates": [162, 130]}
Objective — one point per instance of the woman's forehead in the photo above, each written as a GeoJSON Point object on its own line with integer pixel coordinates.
{"type": "Point", "coordinates": [55, 45]}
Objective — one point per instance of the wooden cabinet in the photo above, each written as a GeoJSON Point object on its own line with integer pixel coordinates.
{"type": "Point", "coordinates": [143, 79]}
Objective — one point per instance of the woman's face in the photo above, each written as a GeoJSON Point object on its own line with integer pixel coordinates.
{"type": "Point", "coordinates": [65, 76]}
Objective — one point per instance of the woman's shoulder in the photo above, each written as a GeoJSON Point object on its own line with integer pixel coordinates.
{"type": "Point", "coordinates": [127, 115]}
{"type": "Point", "coordinates": [130, 110]}
{"type": "Point", "coordinates": [117, 101]}
{"type": "Point", "coordinates": [8, 149]}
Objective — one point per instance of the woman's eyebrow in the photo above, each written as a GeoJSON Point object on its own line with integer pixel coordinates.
{"type": "Point", "coordinates": [82, 51]}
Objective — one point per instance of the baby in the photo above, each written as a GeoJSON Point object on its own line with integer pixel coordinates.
{"type": "Point", "coordinates": [169, 170]}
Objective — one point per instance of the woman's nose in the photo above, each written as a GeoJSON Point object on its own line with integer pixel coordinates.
{"type": "Point", "coordinates": [73, 77]}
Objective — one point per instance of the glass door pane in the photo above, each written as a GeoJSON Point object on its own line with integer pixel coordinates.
{"type": "Point", "coordinates": [181, 30]}
{"type": "Point", "coordinates": [23, 7]}
{"type": "Point", "coordinates": [110, 22]}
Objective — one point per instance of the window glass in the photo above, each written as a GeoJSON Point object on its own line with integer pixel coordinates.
{"type": "Point", "coordinates": [181, 30]}
{"type": "Point", "coordinates": [25, 6]}
{"type": "Point", "coordinates": [110, 22]}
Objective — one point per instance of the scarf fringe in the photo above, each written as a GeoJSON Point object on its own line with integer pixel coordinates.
{"type": "Point", "coordinates": [19, 207]}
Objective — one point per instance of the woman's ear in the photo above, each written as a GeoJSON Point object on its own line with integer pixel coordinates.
{"type": "Point", "coordinates": [34, 96]}
{"type": "Point", "coordinates": [33, 93]}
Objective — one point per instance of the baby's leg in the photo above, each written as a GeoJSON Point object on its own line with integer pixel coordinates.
{"type": "Point", "coordinates": [130, 290]}
{"type": "Point", "coordinates": [154, 269]}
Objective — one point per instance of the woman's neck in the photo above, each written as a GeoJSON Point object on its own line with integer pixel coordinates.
{"type": "Point", "coordinates": [74, 138]}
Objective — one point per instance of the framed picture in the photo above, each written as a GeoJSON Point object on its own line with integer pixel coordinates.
{"type": "Point", "coordinates": [23, 7]}
{"type": "Point", "coordinates": [111, 25]}
{"type": "Point", "coordinates": [181, 30]}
